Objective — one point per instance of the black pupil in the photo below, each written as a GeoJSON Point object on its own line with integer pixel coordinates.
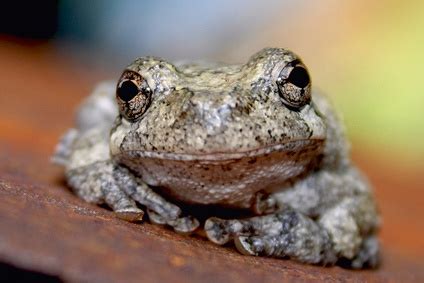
{"type": "Point", "coordinates": [299, 77]}
{"type": "Point", "coordinates": [127, 91]}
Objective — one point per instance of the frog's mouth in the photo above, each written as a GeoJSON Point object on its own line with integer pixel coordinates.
{"type": "Point", "coordinates": [291, 147]}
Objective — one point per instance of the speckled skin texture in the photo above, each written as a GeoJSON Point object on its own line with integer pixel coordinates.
{"type": "Point", "coordinates": [252, 136]}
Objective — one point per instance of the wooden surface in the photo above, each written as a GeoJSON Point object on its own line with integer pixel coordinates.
{"type": "Point", "coordinates": [45, 228]}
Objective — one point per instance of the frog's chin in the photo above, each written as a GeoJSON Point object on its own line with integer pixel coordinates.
{"type": "Point", "coordinates": [230, 179]}
{"type": "Point", "coordinates": [292, 147]}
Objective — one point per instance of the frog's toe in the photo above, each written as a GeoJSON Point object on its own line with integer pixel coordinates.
{"type": "Point", "coordinates": [264, 204]}
{"type": "Point", "coordinates": [123, 206]}
{"type": "Point", "coordinates": [186, 225]}
{"type": "Point", "coordinates": [130, 214]}
{"type": "Point", "coordinates": [156, 218]}
{"type": "Point", "coordinates": [247, 245]}
{"type": "Point", "coordinates": [182, 225]}
{"type": "Point", "coordinates": [216, 231]}
{"type": "Point", "coordinates": [368, 256]}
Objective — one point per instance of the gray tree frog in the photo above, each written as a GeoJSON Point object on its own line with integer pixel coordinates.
{"type": "Point", "coordinates": [254, 137]}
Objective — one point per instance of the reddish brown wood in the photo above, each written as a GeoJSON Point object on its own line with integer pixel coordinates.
{"type": "Point", "coordinates": [44, 227]}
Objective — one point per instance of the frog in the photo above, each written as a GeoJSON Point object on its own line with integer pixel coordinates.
{"type": "Point", "coordinates": [254, 137]}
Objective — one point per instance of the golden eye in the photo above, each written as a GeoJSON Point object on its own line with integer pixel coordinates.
{"type": "Point", "coordinates": [294, 85]}
{"type": "Point", "coordinates": [133, 95]}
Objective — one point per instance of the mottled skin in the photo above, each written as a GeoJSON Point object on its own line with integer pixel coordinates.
{"type": "Point", "coordinates": [251, 136]}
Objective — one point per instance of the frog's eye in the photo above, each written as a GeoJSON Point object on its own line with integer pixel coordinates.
{"type": "Point", "coordinates": [294, 85]}
{"type": "Point", "coordinates": [133, 95]}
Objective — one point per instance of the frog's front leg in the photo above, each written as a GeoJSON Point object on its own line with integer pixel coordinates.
{"type": "Point", "coordinates": [328, 216]}
{"type": "Point", "coordinates": [159, 210]}
{"type": "Point", "coordinates": [96, 178]}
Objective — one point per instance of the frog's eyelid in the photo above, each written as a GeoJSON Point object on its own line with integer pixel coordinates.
{"type": "Point", "coordinates": [294, 62]}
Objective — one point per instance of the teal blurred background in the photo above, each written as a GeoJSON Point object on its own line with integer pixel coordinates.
{"type": "Point", "coordinates": [367, 55]}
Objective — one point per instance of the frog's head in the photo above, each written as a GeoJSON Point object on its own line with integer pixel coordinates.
{"type": "Point", "coordinates": [219, 113]}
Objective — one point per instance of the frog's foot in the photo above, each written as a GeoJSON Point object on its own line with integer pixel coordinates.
{"type": "Point", "coordinates": [116, 186]}
{"type": "Point", "coordinates": [283, 234]}
{"type": "Point", "coordinates": [181, 225]}
{"type": "Point", "coordinates": [367, 257]}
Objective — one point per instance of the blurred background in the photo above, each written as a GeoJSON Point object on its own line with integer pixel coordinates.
{"type": "Point", "coordinates": [367, 55]}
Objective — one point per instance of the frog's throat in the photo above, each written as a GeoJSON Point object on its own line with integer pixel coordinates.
{"type": "Point", "coordinates": [296, 146]}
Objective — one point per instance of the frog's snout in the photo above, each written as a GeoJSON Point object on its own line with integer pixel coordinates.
{"type": "Point", "coordinates": [211, 111]}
